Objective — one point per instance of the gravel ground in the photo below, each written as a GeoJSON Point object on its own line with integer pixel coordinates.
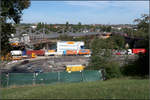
{"type": "Point", "coordinates": [47, 64]}
{"type": "Point", "coordinates": [54, 63]}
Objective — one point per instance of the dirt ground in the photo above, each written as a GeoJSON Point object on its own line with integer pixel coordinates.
{"type": "Point", "coordinates": [48, 64]}
{"type": "Point", "coordinates": [55, 63]}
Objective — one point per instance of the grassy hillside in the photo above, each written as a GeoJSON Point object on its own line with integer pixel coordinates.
{"type": "Point", "coordinates": [115, 89]}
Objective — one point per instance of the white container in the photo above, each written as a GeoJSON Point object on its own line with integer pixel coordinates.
{"type": "Point", "coordinates": [69, 45]}
{"type": "Point", "coordinates": [50, 53]}
{"type": "Point", "coordinates": [130, 52]}
{"type": "Point", "coordinates": [16, 53]}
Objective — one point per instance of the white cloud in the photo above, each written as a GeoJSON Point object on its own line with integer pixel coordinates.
{"type": "Point", "coordinates": [94, 4]}
{"type": "Point", "coordinates": [106, 4]}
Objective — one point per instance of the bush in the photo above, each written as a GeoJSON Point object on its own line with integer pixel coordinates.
{"type": "Point", "coordinates": [112, 70]}
{"type": "Point", "coordinates": [140, 67]}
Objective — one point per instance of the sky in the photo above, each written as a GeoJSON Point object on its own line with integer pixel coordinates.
{"type": "Point", "coordinates": [86, 12]}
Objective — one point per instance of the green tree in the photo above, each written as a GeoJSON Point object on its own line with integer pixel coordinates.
{"type": "Point", "coordinates": [10, 10]}
{"type": "Point", "coordinates": [119, 41]}
{"type": "Point", "coordinates": [142, 26]}
{"type": "Point", "coordinates": [79, 24]}
{"type": "Point", "coordinates": [141, 66]}
{"type": "Point", "coordinates": [100, 53]}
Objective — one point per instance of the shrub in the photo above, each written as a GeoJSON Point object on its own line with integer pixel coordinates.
{"type": "Point", "coordinates": [112, 70]}
{"type": "Point", "coordinates": [140, 67]}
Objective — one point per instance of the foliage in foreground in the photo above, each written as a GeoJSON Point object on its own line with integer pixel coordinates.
{"type": "Point", "coordinates": [10, 10]}
{"type": "Point", "coordinates": [124, 88]}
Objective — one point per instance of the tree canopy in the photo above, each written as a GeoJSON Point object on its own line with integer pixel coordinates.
{"type": "Point", "coordinates": [10, 10]}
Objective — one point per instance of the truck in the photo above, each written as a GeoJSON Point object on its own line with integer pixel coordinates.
{"type": "Point", "coordinates": [16, 54]}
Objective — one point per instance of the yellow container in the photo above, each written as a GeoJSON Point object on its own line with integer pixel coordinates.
{"type": "Point", "coordinates": [51, 50]}
{"type": "Point", "coordinates": [33, 55]}
{"type": "Point", "coordinates": [74, 68]}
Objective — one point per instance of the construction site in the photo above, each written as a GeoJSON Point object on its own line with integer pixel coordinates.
{"type": "Point", "coordinates": [40, 52]}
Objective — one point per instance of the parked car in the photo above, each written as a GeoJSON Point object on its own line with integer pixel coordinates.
{"type": "Point", "coordinates": [38, 70]}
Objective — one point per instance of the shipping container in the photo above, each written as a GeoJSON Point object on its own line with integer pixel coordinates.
{"type": "Point", "coordinates": [70, 68]}
{"type": "Point", "coordinates": [63, 46]}
{"type": "Point", "coordinates": [137, 51]}
{"type": "Point", "coordinates": [130, 52]}
{"type": "Point", "coordinates": [24, 52]}
{"type": "Point", "coordinates": [71, 52]}
{"type": "Point", "coordinates": [84, 52]}
{"type": "Point", "coordinates": [51, 51]}
{"type": "Point", "coordinates": [37, 52]}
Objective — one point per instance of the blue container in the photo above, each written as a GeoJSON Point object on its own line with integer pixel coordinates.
{"type": "Point", "coordinates": [64, 52]}
{"type": "Point", "coordinates": [83, 51]}
{"type": "Point", "coordinates": [24, 52]}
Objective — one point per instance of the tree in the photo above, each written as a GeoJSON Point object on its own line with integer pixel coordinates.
{"type": "Point", "coordinates": [142, 25]}
{"type": "Point", "coordinates": [140, 67]}
{"type": "Point", "coordinates": [119, 41]}
{"type": "Point", "coordinates": [100, 53]}
{"type": "Point", "coordinates": [67, 24]}
{"type": "Point", "coordinates": [108, 28]}
{"type": "Point", "coordinates": [101, 58]}
{"type": "Point", "coordinates": [10, 10]}
{"type": "Point", "coordinates": [79, 24]}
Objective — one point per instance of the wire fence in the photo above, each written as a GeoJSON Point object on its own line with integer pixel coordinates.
{"type": "Point", "coordinates": [11, 79]}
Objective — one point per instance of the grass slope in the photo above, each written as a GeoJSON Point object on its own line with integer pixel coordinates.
{"type": "Point", "coordinates": [111, 89]}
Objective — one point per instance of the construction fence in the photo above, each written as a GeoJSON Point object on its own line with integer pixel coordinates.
{"type": "Point", "coordinates": [11, 79]}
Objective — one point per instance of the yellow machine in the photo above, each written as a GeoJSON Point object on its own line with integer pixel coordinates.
{"type": "Point", "coordinates": [70, 68]}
